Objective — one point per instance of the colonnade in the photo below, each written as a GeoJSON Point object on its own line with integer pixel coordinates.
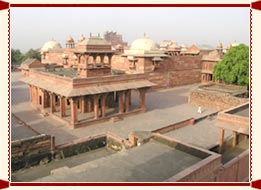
{"type": "Point", "coordinates": [97, 103]}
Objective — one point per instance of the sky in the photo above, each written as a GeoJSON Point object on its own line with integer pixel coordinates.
{"type": "Point", "coordinates": [32, 27]}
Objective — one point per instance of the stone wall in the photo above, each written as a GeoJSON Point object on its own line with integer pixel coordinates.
{"type": "Point", "coordinates": [236, 169]}
{"type": "Point", "coordinates": [214, 100]}
{"type": "Point", "coordinates": [80, 146]}
{"type": "Point", "coordinates": [31, 151]}
{"type": "Point", "coordinates": [233, 122]}
{"type": "Point", "coordinates": [53, 57]}
{"type": "Point", "coordinates": [175, 126]}
{"type": "Point", "coordinates": [173, 71]}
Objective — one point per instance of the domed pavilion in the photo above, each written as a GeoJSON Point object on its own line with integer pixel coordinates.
{"type": "Point", "coordinates": [144, 55]}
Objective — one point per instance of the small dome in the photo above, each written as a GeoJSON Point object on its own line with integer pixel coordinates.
{"type": "Point", "coordinates": [81, 38]}
{"type": "Point", "coordinates": [234, 44]}
{"type": "Point", "coordinates": [229, 46]}
{"type": "Point", "coordinates": [51, 45]}
{"type": "Point", "coordinates": [144, 43]}
{"type": "Point", "coordinates": [173, 46]}
{"type": "Point", "coordinates": [183, 48]}
{"type": "Point", "coordinates": [69, 40]}
{"type": "Point", "coordinates": [219, 45]}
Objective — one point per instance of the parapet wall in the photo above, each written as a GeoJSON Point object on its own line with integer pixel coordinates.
{"type": "Point", "coordinates": [80, 146]}
{"type": "Point", "coordinates": [236, 169]}
{"type": "Point", "coordinates": [31, 151]}
{"type": "Point", "coordinates": [214, 100]}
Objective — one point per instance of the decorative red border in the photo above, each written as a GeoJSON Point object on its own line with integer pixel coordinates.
{"type": "Point", "coordinates": [250, 94]}
{"type": "Point", "coordinates": [253, 5]}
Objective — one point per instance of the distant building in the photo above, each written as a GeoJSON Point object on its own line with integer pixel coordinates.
{"type": "Point", "coordinates": [208, 62]}
{"type": "Point", "coordinates": [28, 64]}
{"type": "Point", "coordinates": [144, 55]}
{"type": "Point", "coordinates": [114, 38]}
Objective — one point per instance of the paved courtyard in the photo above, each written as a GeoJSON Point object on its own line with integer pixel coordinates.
{"type": "Point", "coordinates": [152, 161]}
{"type": "Point", "coordinates": [164, 107]}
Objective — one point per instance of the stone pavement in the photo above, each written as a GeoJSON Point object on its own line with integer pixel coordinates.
{"type": "Point", "coordinates": [19, 130]}
{"type": "Point", "coordinates": [164, 107]}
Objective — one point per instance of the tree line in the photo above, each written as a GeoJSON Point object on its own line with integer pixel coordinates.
{"type": "Point", "coordinates": [17, 57]}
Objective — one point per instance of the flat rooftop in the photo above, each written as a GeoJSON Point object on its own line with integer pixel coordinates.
{"type": "Point", "coordinates": [41, 171]}
{"type": "Point", "coordinates": [203, 134]}
{"type": "Point", "coordinates": [224, 89]}
{"type": "Point", "coordinates": [240, 111]}
{"type": "Point", "coordinates": [71, 73]}
{"type": "Point", "coordinates": [152, 161]}
{"type": "Point", "coordinates": [68, 72]}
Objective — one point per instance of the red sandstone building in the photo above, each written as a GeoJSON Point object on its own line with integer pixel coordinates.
{"type": "Point", "coordinates": [29, 64]}
{"type": "Point", "coordinates": [89, 77]}
{"type": "Point", "coordinates": [85, 89]}
{"type": "Point", "coordinates": [88, 93]}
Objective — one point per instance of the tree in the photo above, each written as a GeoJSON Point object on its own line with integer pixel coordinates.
{"type": "Point", "coordinates": [32, 54]}
{"type": "Point", "coordinates": [16, 57]}
{"type": "Point", "coordinates": [234, 67]}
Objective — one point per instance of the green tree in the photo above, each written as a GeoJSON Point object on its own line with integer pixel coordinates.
{"type": "Point", "coordinates": [32, 54]}
{"type": "Point", "coordinates": [16, 57]}
{"type": "Point", "coordinates": [234, 67]}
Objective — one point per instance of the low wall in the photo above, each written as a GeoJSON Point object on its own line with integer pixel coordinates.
{"type": "Point", "coordinates": [233, 122]}
{"type": "Point", "coordinates": [204, 170]}
{"type": "Point", "coordinates": [80, 146]}
{"type": "Point", "coordinates": [31, 151]}
{"type": "Point", "coordinates": [236, 169]}
{"type": "Point", "coordinates": [214, 100]}
{"type": "Point", "coordinates": [174, 126]}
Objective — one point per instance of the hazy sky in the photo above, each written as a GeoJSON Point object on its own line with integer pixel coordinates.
{"type": "Point", "coordinates": [32, 27]}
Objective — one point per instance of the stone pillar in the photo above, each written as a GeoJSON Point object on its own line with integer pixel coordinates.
{"type": "Point", "coordinates": [42, 99]}
{"type": "Point", "coordinates": [83, 104]}
{"type": "Point", "coordinates": [109, 60]}
{"type": "Point", "coordinates": [74, 116]}
{"type": "Point", "coordinates": [30, 93]}
{"type": "Point", "coordinates": [45, 99]}
{"type": "Point", "coordinates": [102, 60]}
{"type": "Point", "coordinates": [234, 139]}
{"type": "Point", "coordinates": [36, 96]}
{"type": "Point", "coordinates": [127, 100]}
{"type": "Point", "coordinates": [52, 102]}
{"type": "Point", "coordinates": [142, 99]}
{"type": "Point", "coordinates": [221, 140]}
{"type": "Point", "coordinates": [62, 106]}
{"type": "Point", "coordinates": [121, 105]}
{"type": "Point", "coordinates": [103, 106]}
{"type": "Point", "coordinates": [94, 60]}
{"type": "Point", "coordinates": [89, 104]}
{"type": "Point", "coordinates": [96, 106]}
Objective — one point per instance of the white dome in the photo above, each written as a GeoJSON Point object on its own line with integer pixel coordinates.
{"type": "Point", "coordinates": [51, 45]}
{"type": "Point", "coordinates": [144, 43]}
